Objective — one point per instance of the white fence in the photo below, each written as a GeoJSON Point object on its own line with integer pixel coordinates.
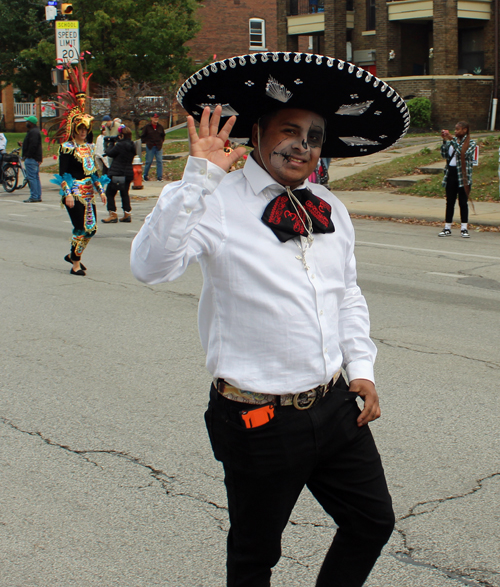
{"type": "Point", "coordinates": [24, 109]}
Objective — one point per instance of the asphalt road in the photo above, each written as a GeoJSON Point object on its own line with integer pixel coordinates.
{"type": "Point", "coordinates": [106, 474]}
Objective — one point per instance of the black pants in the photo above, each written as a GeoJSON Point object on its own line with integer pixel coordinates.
{"type": "Point", "coordinates": [111, 193]}
{"type": "Point", "coordinates": [266, 469]}
{"type": "Point", "coordinates": [452, 191]}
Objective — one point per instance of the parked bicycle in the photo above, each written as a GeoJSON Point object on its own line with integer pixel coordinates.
{"type": "Point", "coordinates": [9, 170]}
{"type": "Point", "coordinates": [21, 172]}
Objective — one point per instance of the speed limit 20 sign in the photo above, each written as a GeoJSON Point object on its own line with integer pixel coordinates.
{"type": "Point", "coordinates": [67, 41]}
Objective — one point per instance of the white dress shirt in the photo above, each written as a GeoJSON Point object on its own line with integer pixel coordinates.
{"type": "Point", "coordinates": [269, 321]}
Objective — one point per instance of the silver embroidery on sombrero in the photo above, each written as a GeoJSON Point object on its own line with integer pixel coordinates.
{"type": "Point", "coordinates": [377, 112]}
{"type": "Point", "coordinates": [351, 68]}
{"type": "Point", "coordinates": [309, 58]}
{"type": "Point", "coordinates": [264, 57]}
{"type": "Point", "coordinates": [223, 66]}
{"type": "Point", "coordinates": [354, 96]}
{"type": "Point", "coordinates": [319, 60]}
{"type": "Point", "coordinates": [249, 83]}
{"type": "Point", "coordinates": [232, 63]}
{"type": "Point", "coordinates": [341, 64]}
{"type": "Point", "coordinates": [376, 82]}
{"type": "Point", "coordinates": [390, 92]}
{"type": "Point", "coordinates": [297, 57]}
{"type": "Point", "coordinates": [213, 67]}
{"type": "Point", "coordinates": [253, 59]}
{"type": "Point", "coordinates": [359, 73]}
{"type": "Point", "coordinates": [193, 80]}
{"type": "Point", "coordinates": [211, 96]}
{"type": "Point", "coordinates": [298, 81]}
{"type": "Point", "coordinates": [242, 60]}
{"type": "Point", "coordinates": [358, 141]}
{"type": "Point", "coordinates": [354, 109]}
{"type": "Point", "coordinates": [198, 75]}
{"type": "Point", "coordinates": [188, 84]}
{"type": "Point", "coordinates": [276, 57]}
{"type": "Point", "coordinates": [227, 109]}
{"type": "Point", "coordinates": [384, 87]}
{"type": "Point", "coordinates": [277, 91]}
{"type": "Point", "coordinates": [368, 78]}
{"type": "Point", "coordinates": [382, 137]}
{"type": "Point", "coordinates": [196, 113]}
{"type": "Point", "coordinates": [286, 56]}
{"type": "Point", "coordinates": [330, 62]}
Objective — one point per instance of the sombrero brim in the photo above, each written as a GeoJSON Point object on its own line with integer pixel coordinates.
{"type": "Point", "coordinates": [363, 114]}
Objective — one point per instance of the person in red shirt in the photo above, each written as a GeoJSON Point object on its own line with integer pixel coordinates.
{"type": "Point", "coordinates": [153, 134]}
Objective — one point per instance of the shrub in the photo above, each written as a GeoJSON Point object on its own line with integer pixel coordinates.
{"type": "Point", "coordinates": [420, 112]}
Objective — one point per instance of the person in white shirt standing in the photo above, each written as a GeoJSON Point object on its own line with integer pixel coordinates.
{"type": "Point", "coordinates": [281, 314]}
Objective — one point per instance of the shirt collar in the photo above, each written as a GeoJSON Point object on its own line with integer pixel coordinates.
{"type": "Point", "coordinates": [259, 179]}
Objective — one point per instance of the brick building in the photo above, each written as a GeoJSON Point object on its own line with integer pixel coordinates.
{"type": "Point", "coordinates": [234, 27]}
{"type": "Point", "coordinates": [441, 49]}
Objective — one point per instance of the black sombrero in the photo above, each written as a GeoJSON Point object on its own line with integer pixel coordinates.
{"type": "Point", "coordinates": [363, 114]}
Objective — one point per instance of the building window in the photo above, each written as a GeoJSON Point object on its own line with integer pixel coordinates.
{"type": "Point", "coordinates": [257, 33]}
{"type": "Point", "coordinates": [471, 51]}
{"type": "Point", "coordinates": [370, 15]}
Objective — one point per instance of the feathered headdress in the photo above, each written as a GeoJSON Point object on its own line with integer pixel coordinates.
{"type": "Point", "coordinates": [73, 104]}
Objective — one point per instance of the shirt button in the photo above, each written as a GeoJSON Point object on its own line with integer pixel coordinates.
{"type": "Point", "coordinates": [209, 176]}
{"type": "Point", "coordinates": [326, 351]}
{"type": "Point", "coordinates": [313, 276]}
{"type": "Point", "coordinates": [202, 171]}
{"type": "Point", "coordinates": [189, 210]}
{"type": "Point", "coordinates": [321, 312]}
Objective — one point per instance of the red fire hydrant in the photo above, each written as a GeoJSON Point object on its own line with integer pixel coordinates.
{"type": "Point", "coordinates": [137, 167]}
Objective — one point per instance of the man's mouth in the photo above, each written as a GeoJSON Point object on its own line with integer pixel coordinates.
{"type": "Point", "coordinates": [289, 158]}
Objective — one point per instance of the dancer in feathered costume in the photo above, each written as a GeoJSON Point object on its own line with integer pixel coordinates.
{"type": "Point", "coordinates": [77, 169]}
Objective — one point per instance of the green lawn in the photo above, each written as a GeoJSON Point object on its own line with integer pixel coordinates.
{"type": "Point", "coordinates": [14, 137]}
{"type": "Point", "coordinates": [484, 178]}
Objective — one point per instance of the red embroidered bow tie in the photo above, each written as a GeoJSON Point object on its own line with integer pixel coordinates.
{"type": "Point", "coordinates": [288, 221]}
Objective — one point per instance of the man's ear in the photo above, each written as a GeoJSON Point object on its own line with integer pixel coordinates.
{"type": "Point", "coordinates": [255, 135]}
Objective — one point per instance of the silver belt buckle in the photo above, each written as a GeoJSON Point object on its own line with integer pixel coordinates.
{"type": "Point", "coordinates": [305, 400]}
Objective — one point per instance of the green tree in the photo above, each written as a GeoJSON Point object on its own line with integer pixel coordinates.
{"type": "Point", "coordinates": [26, 46]}
{"type": "Point", "coordinates": [139, 38]}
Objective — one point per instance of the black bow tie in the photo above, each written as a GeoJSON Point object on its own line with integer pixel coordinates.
{"type": "Point", "coordinates": [288, 221]}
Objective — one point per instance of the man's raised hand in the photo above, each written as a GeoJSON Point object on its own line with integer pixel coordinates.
{"type": "Point", "coordinates": [209, 144]}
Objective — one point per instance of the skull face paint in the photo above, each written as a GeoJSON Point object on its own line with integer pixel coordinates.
{"type": "Point", "coordinates": [290, 145]}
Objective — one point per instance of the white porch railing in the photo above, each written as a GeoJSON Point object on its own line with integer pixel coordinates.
{"type": "Point", "coordinates": [24, 109]}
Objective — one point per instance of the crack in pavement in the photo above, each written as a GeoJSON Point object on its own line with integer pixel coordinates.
{"type": "Point", "coordinates": [490, 364]}
{"type": "Point", "coordinates": [428, 507]}
{"type": "Point", "coordinates": [165, 480]}
{"type": "Point", "coordinates": [473, 582]}
{"type": "Point", "coordinates": [158, 475]}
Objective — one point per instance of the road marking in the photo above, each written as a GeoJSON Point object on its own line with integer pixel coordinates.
{"type": "Point", "coordinates": [134, 231]}
{"type": "Point", "coordinates": [440, 252]}
{"type": "Point", "coordinates": [444, 274]}
{"type": "Point", "coordinates": [23, 215]}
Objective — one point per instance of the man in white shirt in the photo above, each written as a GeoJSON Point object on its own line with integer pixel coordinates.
{"type": "Point", "coordinates": [280, 315]}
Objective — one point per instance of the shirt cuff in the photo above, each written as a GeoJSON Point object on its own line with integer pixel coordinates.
{"type": "Point", "coordinates": [203, 173]}
{"type": "Point", "coordinates": [360, 370]}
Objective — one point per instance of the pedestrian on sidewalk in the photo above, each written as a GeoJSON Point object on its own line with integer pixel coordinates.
{"type": "Point", "coordinates": [32, 155]}
{"type": "Point", "coordinates": [281, 313]}
{"type": "Point", "coordinates": [101, 160]}
{"type": "Point", "coordinates": [121, 174]}
{"type": "Point", "coordinates": [111, 126]}
{"type": "Point", "coordinates": [78, 176]}
{"type": "Point", "coordinates": [153, 134]}
{"type": "Point", "coordinates": [459, 154]}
